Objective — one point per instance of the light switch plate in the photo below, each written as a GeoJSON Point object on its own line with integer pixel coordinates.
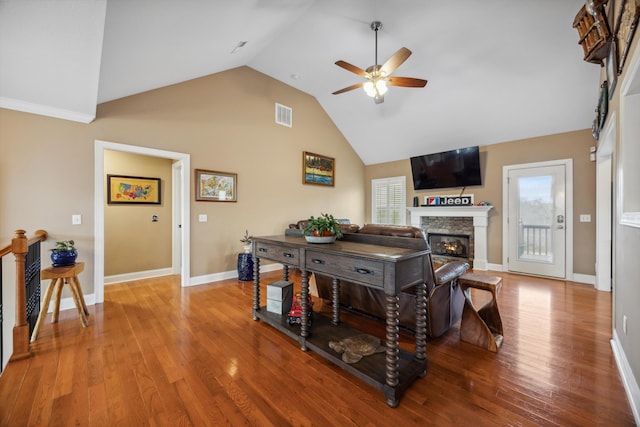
{"type": "Point", "coordinates": [202, 217]}
{"type": "Point", "coordinates": [76, 219]}
{"type": "Point", "coordinates": [585, 218]}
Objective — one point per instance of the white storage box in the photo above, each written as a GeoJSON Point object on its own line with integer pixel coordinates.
{"type": "Point", "coordinates": [279, 297]}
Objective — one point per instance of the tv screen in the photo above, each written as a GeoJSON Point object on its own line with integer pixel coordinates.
{"type": "Point", "coordinates": [455, 168]}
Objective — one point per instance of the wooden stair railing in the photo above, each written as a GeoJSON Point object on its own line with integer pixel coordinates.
{"type": "Point", "coordinates": [19, 247]}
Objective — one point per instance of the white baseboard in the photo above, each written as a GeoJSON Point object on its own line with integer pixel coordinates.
{"type": "Point", "coordinates": [495, 267]}
{"type": "Point", "coordinates": [138, 275]}
{"type": "Point", "coordinates": [68, 304]}
{"type": "Point", "coordinates": [216, 277]}
{"type": "Point", "coordinates": [584, 278]}
{"type": "Point", "coordinates": [626, 374]}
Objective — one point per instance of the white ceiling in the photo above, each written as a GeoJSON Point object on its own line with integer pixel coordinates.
{"type": "Point", "coordinates": [498, 70]}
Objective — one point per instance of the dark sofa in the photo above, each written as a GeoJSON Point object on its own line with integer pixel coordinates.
{"type": "Point", "coordinates": [445, 300]}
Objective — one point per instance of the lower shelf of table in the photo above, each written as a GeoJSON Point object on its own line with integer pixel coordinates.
{"type": "Point", "coordinates": [370, 369]}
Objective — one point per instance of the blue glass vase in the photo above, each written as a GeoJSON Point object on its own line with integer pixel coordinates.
{"type": "Point", "coordinates": [245, 267]}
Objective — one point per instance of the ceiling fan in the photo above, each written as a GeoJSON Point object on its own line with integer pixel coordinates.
{"type": "Point", "coordinates": [379, 76]}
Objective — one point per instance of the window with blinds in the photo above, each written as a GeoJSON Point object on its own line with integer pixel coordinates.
{"type": "Point", "coordinates": [388, 198]}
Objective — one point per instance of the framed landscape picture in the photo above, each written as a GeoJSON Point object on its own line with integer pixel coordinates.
{"type": "Point", "coordinates": [213, 186]}
{"type": "Point", "coordinates": [133, 190]}
{"type": "Point", "coordinates": [318, 169]}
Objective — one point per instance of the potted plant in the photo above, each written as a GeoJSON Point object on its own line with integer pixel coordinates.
{"type": "Point", "coordinates": [64, 253]}
{"type": "Point", "coordinates": [322, 229]}
{"type": "Point", "coordinates": [245, 261]}
{"type": "Point", "coordinates": [246, 242]}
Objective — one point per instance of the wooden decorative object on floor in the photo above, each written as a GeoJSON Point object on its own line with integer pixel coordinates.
{"type": "Point", "coordinates": [59, 276]}
{"type": "Point", "coordinates": [481, 327]}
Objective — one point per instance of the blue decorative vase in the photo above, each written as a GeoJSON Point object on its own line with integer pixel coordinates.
{"type": "Point", "coordinates": [245, 267]}
{"type": "Point", "coordinates": [62, 258]}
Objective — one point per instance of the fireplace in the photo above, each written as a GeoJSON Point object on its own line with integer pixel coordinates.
{"type": "Point", "coordinates": [478, 246]}
{"type": "Point", "coordinates": [453, 245]}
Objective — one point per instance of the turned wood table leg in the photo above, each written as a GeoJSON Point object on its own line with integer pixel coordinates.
{"type": "Point", "coordinates": [285, 272]}
{"type": "Point", "coordinates": [304, 324]}
{"type": "Point", "coordinates": [421, 322]}
{"type": "Point", "coordinates": [335, 300]}
{"type": "Point", "coordinates": [392, 352]}
{"type": "Point", "coordinates": [256, 287]}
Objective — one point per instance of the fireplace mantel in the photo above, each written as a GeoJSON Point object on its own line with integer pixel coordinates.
{"type": "Point", "coordinates": [480, 215]}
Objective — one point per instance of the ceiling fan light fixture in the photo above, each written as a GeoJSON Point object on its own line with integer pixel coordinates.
{"type": "Point", "coordinates": [375, 88]}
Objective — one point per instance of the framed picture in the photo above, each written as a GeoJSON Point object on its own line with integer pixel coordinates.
{"type": "Point", "coordinates": [612, 67]}
{"type": "Point", "coordinates": [625, 28]}
{"type": "Point", "coordinates": [133, 190]}
{"type": "Point", "coordinates": [318, 169]}
{"type": "Point", "coordinates": [213, 186]}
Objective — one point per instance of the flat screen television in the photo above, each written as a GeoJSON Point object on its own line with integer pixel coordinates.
{"type": "Point", "coordinates": [449, 169]}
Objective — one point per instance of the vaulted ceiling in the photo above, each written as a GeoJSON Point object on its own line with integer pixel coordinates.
{"type": "Point", "coordinates": [498, 70]}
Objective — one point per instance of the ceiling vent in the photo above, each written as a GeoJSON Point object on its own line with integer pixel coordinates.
{"type": "Point", "coordinates": [284, 115]}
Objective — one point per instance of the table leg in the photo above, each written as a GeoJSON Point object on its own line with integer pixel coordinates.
{"type": "Point", "coordinates": [285, 271]}
{"type": "Point", "coordinates": [392, 353]}
{"type": "Point", "coordinates": [56, 301]}
{"type": "Point", "coordinates": [335, 300]}
{"type": "Point", "coordinates": [304, 322]}
{"type": "Point", "coordinates": [76, 282]}
{"type": "Point", "coordinates": [76, 300]}
{"type": "Point", "coordinates": [43, 309]}
{"type": "Point", "coordinates": [256, 287]}
{"type": "Point", "coordinates": [421, 322]}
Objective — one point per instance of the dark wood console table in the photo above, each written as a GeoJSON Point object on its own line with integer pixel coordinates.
{"type": "Point", "coordinates": [378, 265]}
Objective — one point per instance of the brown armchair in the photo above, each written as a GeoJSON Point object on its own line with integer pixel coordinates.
{"type": "Point", "coordinates": [445, 300]}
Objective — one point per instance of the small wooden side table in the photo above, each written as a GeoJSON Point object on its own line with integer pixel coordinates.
{"type": "Point", "coordinates": [482, 327]}
{"type": "Point", "coordinates": [59, 276]}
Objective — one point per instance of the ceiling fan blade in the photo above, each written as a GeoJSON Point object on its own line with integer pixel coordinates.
{"type": "Point", "coordinates": [406, 82]}
{"type": "Point", "coordinates": [347, 89]}
{"type": "Point", "coordinates": [395, 61]}
{"type": "Point", "coordinates": [352, 68]}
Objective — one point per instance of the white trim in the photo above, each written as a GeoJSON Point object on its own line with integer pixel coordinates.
{"type": "Point", "coordinates": [626, 374]}
{"type": "Point", "coordinates": [99, 198]}
{"type": "Point", "coordinates": [568, 164]}
{"type": "Point", "coordinates": [588, 279]}
{"type": "Point", "coordinates": [138, 275]}
{"type": "Point", "coordinates": [631, 219]}
{"type": "Point", "coordinates": [68, 304]}
{"type": "Point", "coordinates": [216, 277]}
{"type": "Point", "coordinates": [495, 267]}
{"type": "Point", "coordinates": [44, 110]}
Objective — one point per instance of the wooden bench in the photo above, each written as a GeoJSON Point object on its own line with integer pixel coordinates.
{"type": "Point", "coordinates": [481, 327]}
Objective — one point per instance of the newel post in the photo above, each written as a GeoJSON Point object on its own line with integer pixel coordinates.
{"type": "Point", "coordinates": [19, 247]}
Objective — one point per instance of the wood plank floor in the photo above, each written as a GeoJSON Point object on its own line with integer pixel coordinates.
{"type": "Point", "coordinates": [156, 354]}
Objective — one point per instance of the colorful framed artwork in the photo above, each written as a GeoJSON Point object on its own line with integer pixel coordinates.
{"type": "Point", "coordinates": [318, 169]}
{"type": "Point", "coordinates": [213, 186]}
{"type": "Point", "coordinates": [124, 189]}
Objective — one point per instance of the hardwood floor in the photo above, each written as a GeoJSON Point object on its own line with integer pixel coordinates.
{"type": "Point", "coordinates": [156, 354]}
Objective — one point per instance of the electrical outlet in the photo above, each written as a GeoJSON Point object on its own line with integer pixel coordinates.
{"type": "Point", "coordinates": [624, 324]}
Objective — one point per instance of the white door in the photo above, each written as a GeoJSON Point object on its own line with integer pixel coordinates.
{"type": "Point", "coordinates": [537, 219]}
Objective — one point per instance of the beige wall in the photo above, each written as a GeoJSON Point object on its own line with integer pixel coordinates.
{"type": "Point", "coordinates": [224, 121]}
{"type": "Point", "coordinates": [571, 145]}
{"type": "Point", "coordinates": [132, 241]}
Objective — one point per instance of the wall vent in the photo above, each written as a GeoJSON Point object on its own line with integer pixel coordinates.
{"type": "Point", "coordinates": [284, 115]}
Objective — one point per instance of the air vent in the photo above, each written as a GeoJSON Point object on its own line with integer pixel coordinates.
{"type": "Point", "coordinates": [284, 115]}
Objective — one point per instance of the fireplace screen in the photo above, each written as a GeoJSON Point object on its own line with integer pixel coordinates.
{"type": "Point", "coordinates": [456, 245]}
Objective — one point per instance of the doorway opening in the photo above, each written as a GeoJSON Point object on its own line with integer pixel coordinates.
{"type": "Point", "coordinates": [180, 211]}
